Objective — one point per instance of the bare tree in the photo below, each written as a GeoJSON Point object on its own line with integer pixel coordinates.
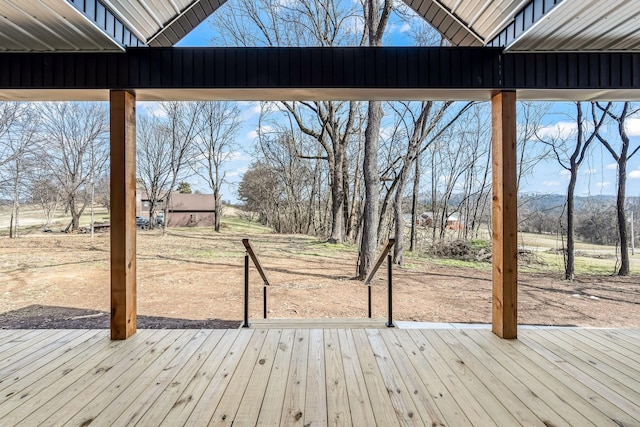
{"type": "Point", "coordinates": [77, 133]}
{"type": "Point", "coordinates": [423, 127]}
{"type": "Point", "coordinates": [330, 123]}
{"type": "Point", "coordinates": [153, 162]}
{"type": "Point", "coordinates": [20, 143]}
{"type": "Point", "coordinates": [181, 130]}
{"type": "Point", "coordinates": [570, 153]}
{"type": "Point", "coordinates": [622, 156]}
{"type": "Point", "coordinates": [219, 123]}
{"type": "Point", "coordinates": [530, 114]}
{"type": "Point", "coordinates": [9, 113]}
{"type": "Point", "coordinates": [44, 194]}
{"type": "Point", "coordinates": [376, 18]}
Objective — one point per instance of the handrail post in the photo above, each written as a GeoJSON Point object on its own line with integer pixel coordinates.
{"type": "Point", "coordinates": [390, 286]}
{"type": "Point", "coordinates": [251, 253]}
{"type": "Point", "coordinates": [246, 291]}
{"type": "Point", "coordinates": [380, 260]}
{"type": "Point", "coordinates": [264, 300]}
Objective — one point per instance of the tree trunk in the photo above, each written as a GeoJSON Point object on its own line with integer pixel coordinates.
{"type": "Point", "coordinates": [217, 210]}
{"type": "Point", "coordinates": [622, 217]}
{"type": "Point", "coordinates": [13, 230]}
{"type": "Point", "coordinates": [351, 232]}
{"type": "Point", "coordinates": [371, 187]}
{"type": "Point", "coordinates": [167, 202]}
{"type": "Point", "coordinates": [414, 205]}
{"type": "Point", "coordinates": [570, 264]}
{"type": "Point", "coordinates": [398, 249]}
{"type": "Point", "coordinates": [337, 200]}
{"type": "Point", "coordinates": [75, 214]}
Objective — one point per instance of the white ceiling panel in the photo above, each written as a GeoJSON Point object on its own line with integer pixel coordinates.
{"type": "Point", "coordinates": [48, 25]}
{"type": "Point", "coordinates": [579, 25]}
{"type": "Point", "coordinates": [319, 94]}
{"type": "Point", "coordinates": [164, 20]}
{"type": "Point", "coordinates": [57, 25]}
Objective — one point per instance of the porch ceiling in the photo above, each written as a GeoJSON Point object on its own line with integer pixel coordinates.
{"type": "Point", "coordinates": [536, 25]}
{"type": "Point", "coordinates": [49, 25]}
{"type": "Point", "coordinates": [518, 25]}
{"type": "Point", "coordinates": [97, 25]}
{"type": "Point", "coordinates": [162, 22]}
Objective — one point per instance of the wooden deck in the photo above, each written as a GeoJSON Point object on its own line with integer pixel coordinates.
{"type": "Point", "coordinates": [317, 377]}
{"type": "Point", "coordinates": [318, 324]}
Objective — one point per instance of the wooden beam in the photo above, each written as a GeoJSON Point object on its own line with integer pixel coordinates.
{"type": "Point", "coordinates": [123, 214]}
{"type": "Point", "coordinates": [504, 216]}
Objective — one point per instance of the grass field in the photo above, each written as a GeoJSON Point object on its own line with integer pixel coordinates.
{"type": "Point", "coordinates": [193, 277]}
{"type": "Point", "coordinates": [590, 258]}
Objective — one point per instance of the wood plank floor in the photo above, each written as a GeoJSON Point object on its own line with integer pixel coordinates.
{"type": "Point", "coordinates": [318, 377]}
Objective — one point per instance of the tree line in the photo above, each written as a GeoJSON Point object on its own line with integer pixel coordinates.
{"type": "Point", "coordinates": [55, 155]}
{"type": "Point", "coordinates": [433, 164]}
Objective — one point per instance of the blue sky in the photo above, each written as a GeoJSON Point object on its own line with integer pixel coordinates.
{"type": "Point", "coordinates": [597, 174]}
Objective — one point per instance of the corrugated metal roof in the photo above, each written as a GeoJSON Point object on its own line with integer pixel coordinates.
{"type": "Point", "coordinates": [49, 25]}
{"type": "Point", "coordinates": [581, 25]}
{"type": "Point", "coordinates": [467, 22]}
{"type": "Point", "coordinates": [536, 25]}
{"type": "Point", "coordinates": [162, 22]}
{"type": "Point", "coordinates": [521, 25]}
{"type": "Point", "coordinates": [97, 25]}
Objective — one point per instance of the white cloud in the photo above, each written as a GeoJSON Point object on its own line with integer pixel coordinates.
{"type": "Point", "coordinates": [402, 28]}
{"type": "Point", "coordinates": [612, 166]}
{"type": "Point", "coordinates": [635, 174]}
{"type": "Point", "coordinates": [256, 132]}
{"type": "Point", "coordinates": [386, 132]}
{"type": "Point", "coordinates": [564, 173]}
{"type": "Point", "coordinates": [632, 126]}
{"type": "Point", "coordinates": [152, 108]}
{"type": "Point", "coordinates": [590, 171]}
{"type": "Point", "coordinates": [238, 172]}
{"type": "Point", "coordinates": [604, 184]}
{"type": "Point", "coordinates": [562, 130]}
{"type": "Point", "coordinates": [551, 183]}
{"type": "Point", "coordinates": [237, 155]}
{"type": "Point", "coordinates": [248, 109]}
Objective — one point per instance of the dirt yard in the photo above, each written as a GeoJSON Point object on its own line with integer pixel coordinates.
{"type": "Point", "coordinates": [194, 278]}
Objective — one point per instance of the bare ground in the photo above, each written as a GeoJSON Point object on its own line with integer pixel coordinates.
{"type": "Point", "coordinates": [194, 279]}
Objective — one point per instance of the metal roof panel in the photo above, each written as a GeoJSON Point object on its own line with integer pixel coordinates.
{"type": "Point", "coordinates": [49, 25]}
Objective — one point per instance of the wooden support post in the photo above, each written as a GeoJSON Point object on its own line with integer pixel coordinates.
{"type": "Point", "coordinates": [504, 216]}
{"type": "Point", "coordinates": [123, 214]}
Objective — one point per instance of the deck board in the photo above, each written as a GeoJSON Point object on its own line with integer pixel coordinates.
{"type": "Point", "coordinates": [537, 387]}
{"type": "Point", "coordinates": [598, 394]}
{"type": "Point", "coordinates": [320, 376]}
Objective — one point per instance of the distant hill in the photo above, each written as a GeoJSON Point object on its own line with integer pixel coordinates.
{"type": "Point", "coordinates": [544, 202]}
{"type": "Point", "coordinates": [551, 201]}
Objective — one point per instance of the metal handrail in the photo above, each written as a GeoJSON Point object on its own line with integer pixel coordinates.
{"type": "Point", "coordinates": [255, 260]}
{"type": "Point", "coordinates": [252, 254]}
{"type": "Point", "coordinates": [384, 254]}
{"type": "Point", "coordinates": [380, 260]}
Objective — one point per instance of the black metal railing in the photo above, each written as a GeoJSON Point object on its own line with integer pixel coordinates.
{"type": "Point", "coordinates": [250, 253]}
{"type": "Point", "coordinates": [384, 254]}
